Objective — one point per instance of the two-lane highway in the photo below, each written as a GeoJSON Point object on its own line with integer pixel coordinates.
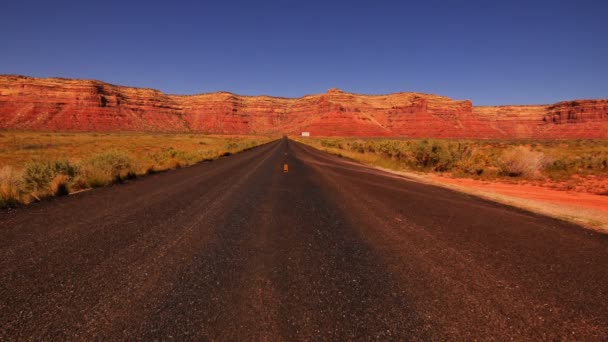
{"type": "Point", "coordinates": [238, 249]}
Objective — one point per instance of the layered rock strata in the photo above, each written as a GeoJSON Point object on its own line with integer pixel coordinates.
{"type": "Point", "coordinates": [56, 104]}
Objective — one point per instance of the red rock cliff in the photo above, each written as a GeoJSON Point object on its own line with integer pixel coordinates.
{"type": "Point", "coordinates": [82, 105]}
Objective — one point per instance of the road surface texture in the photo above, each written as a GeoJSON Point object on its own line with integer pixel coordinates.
{"type": "Point", "coordinates": [237, 249]}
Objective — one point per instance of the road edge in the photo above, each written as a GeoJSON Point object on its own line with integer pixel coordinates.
{"type": "Point", "coordinates": [125, 181]}
{"type": "Point", "coordinates": [537, 207]}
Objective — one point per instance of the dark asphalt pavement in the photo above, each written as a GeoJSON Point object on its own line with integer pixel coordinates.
{"type": "Point", "coordinates": [236, 249]}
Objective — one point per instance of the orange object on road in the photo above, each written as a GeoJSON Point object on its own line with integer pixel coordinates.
{"type": "Point", "coordinates": [285, 168]}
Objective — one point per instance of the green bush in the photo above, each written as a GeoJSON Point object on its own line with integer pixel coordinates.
{"type": "Point", "coordinates": [107, 167]}
{"type": "Point", "coordinates": [168, 153]}
{"type": "Point", "coordinates": [437, 155]}
{"type": "Point", "coordinates": [331, 143]}
{"type": "Point", "coordinates": [563, 164]}
{"type": "Point", "coordinates": [474, 163]}
{"type": "Point", "coordinates": [172, 158]}
{"type": "Point", "coordinates": [38, 175]}
{"type": "Point", "coordinates": [357, 146]}
{"type": "Point", "coordinates": [232, 146]}
{"type": "Point", "coordinates": [591, 162]}
{"type": "Point", "coordinates": [394, 150]}
{"type": "Point", "coordinates": [556, 159]}
{"type": "Point", "coordinates": [595, 162]}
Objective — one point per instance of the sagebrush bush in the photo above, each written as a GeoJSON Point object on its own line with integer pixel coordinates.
{"type": "Point", "coordinates": [10, 187]}
{"type": "Point", "coordinates": [171, 157]}
{"type": "Point", "coordinates": [474, 163]}
{"type": "Point", "coordinates": [554, 159]}
{"type": "Point", "coordinates": [437, 155]}
{"type": "Point", "coordinates": [232, 146]}
{"type": "Point", "coordinates": [394, 150]}
{"type": "Point", "coordinates": [597, 161]}
{"type": "Point", "coordinates": [105, 168]}
{"type": "Point", "coordinates": [357, 146]}
{"type": "Point", "coordinates": [564, 164]}
{"type": "Point", "coordinates": [331, 143]}
{"type": "Point", "coordinates": [521, 161]}
{"type": "Point", "coordinates": [38, 175]}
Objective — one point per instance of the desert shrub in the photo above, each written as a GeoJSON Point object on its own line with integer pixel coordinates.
{"type": "Point", "coordinates": [563, 164]}
{"type": "Point", "coordinates": [520, 161]}
{"type": "Point", "coordinates": [357, 146]}
{"type": "Point", "coordinates": [331, 143]}
{"type": "Point", "coordinates": [171, 158]}
{"type": "Point", "coordinates": [589, 162]}
{"type": "Point", "coordinates": [10, 187]}
{"type": "Point", "coordinates": [472, 163]}
{"type": "Point", "coordinates": [437, 155]}
{"type": "Point", "coordinates": [598, 162]}
{"type": "Point", "coordinates": [166, 154]}
{"type": "Point", "coordinates": [64, 167]}
{"type": "Point", "coordinates": [60, 185]}
{"type": "Point", "coordinates": [392, 149]}
{"type": "Point", "coordinates": [38, 175]}
{"type": "Point", "coordinates": [370, 147]}
{"type": "Point", "coordinates": [107, 167]}
{"type": "Point", "coordinates": [232, 146]}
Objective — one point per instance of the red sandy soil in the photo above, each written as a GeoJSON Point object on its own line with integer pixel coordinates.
{"type": "Point", "coordinates": [584, 194]}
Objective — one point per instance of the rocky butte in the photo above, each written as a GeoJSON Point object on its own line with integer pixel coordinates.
{"type": "Point", "coordinates": [57, 104]}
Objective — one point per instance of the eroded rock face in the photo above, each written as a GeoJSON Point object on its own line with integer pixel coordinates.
{"type": "Point", "coordinates": [568, 119]}
{"type": "Point", "coordinates": [81, 105]}
{"type": "Point", "coordinates": [59, 104]}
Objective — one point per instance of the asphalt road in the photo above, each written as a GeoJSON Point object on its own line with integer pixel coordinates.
{"type": "Point", "coordinates": [237, 249]}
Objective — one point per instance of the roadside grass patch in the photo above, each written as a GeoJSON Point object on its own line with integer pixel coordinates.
{"type": "Point", "coordinates": [106, 168]}
{"type": "Point", "coordinates": [34, 165]}
{"type": "Point", "coordinates": [559, 160]}
{"type": "Point", "coordinates": [521, 161]}
{"type": "Point", "coordinates": [10, 187]}
{"type": "Point", "coordinates": [41, 178]}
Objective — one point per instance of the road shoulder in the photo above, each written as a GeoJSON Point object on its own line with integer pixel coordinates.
{"type": "Point", "coordinates": [587, 210]}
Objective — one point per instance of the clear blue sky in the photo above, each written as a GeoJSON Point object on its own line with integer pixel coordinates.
{"type": "Point", "coordinates": [492, 52]}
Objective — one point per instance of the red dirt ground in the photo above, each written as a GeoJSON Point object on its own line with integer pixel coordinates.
{"type": "Point", "coordinates": [583, 191]}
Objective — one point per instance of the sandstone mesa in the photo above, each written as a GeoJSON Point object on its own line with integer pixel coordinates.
{"type": "Point", "coordinates": [56, 104]}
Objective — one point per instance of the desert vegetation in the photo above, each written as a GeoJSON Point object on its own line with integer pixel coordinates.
{"type": "Point", "coordinates": [565, 161]}
{"type": "Point", "coordinates": [37, 165]}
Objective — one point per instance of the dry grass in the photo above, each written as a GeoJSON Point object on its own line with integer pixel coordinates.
{"type": "Point", "coordinates": [521, 161]}
{"type": "Point", "coordinates": [34, 165]}
{"type": "Point", "coordinates": [10, 187]}
{"type": "Point", "coordinates": [60, 185]}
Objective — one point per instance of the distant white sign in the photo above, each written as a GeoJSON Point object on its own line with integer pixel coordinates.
{"type": "Point", "coordinates": [305, 134]}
